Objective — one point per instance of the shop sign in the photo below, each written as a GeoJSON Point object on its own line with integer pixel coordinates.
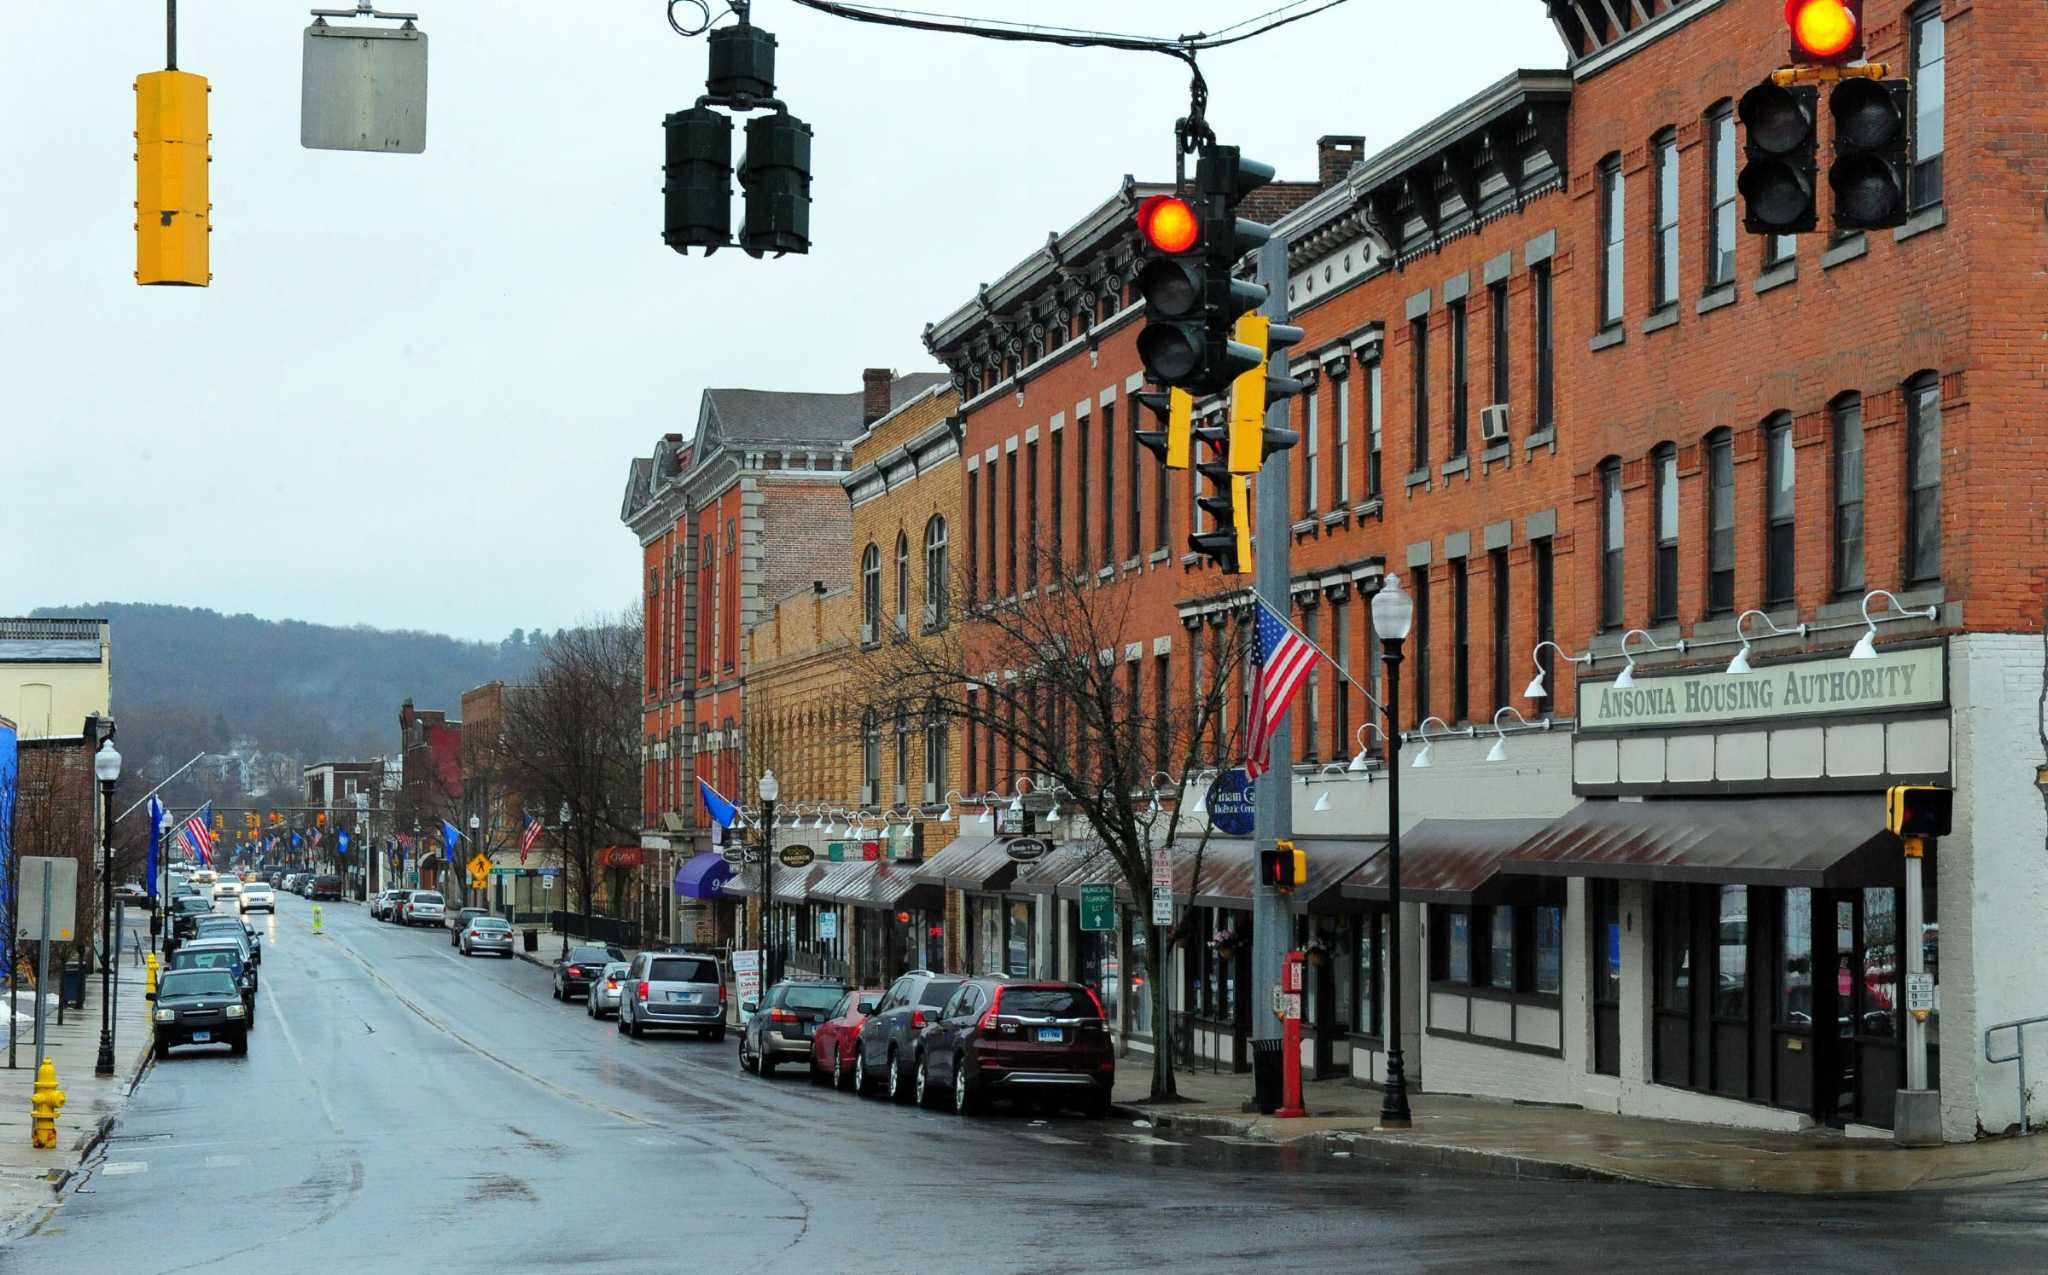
{"type": "Point", "coordinates": [746, 975]}
{"type": "Point", "coordinates": [621, 857]}
{"type": "Point", "coordinates": [835, 852]}
{"type": "Point", "coordinates": [733, 855]}
{"type": "Point", "coordinates": [1898, 678]}
{"type": "Point", "coordinates": [1011, 823]}
{"type": "Point", "coordinates": [796, 856]}
{"type": "Point", "coordinates": [1028, 849]}
{"type": "Point", "coordinates": [1230, 802]}
{"type": "Point", "coordinates": [1098, 906]}
{"type": "Point", "coordinates": [828, 923]}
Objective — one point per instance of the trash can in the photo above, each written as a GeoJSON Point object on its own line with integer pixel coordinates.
{"type": "Point", "coordinates": [1268, 1080]}
{"type": "Point", "coordinates": [74, 984]}
{"type": "Point", "coordinates": [532, 938]}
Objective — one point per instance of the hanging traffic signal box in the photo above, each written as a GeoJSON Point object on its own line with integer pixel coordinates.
{"type": "Point", "coordinates": [173, 209]}
{"type": "Point", "coordinates": [1192, 297]}
{"type": "Point", "coordinates": [1781, 150]}
{"type": "Point", "coordinates": [1175, 411]}
{"type": "Point", "coordinates": [1871, 164]}
{"type": "Point", "coordinates": [1919, 810]}
{"type": "Point", "coordinates": [697, 190]}
{"type": "Point", "coordinates": [1256, 389]}
{"type": "Point", "coordinates": [1825, 32]}
{"type": "Point", "coordinates": [775, 173]}
{"type": "Point", "coordinates": [1226, 498]}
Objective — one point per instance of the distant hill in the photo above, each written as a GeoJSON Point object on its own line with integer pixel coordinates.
{"type": "Point", "coordinates": [188, 679]}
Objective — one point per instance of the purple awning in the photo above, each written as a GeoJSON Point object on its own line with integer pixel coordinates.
{"type": "Point", "coordinates": [700, 876]}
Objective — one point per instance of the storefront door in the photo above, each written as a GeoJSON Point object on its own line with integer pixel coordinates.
{"type": "Point", "coordinates": [1867, 1062]}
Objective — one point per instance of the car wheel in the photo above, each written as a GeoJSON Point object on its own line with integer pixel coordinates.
{"type": "Point", "coordinates": [899, 1083]}
{"type": "Point", "coordinates": [965, 1101]}
{"type": "Point", "coordinates": [764, 1066]}
{"type": "Point", "coordinates": [842, 1077]}
{"type": "Point", "coordinates": [240, 1044]}
{"type": "Point", "coordinates": [637, 1031]}
{"type": "Point", "coordinates": [1097, 1107]}
{"type": "Point", "coordinates": [860, 1072]}
{"type": "Point", "coordinates": [556, 989]}
{"type": "Point", "coordinates": [746, 1063]}
{"type": "Point", "coordinates": [622, 1020]}
{"type": "Point", "coordinates": [163, 1050]}
{"type": "Point", "coordinates": [924, 1081]}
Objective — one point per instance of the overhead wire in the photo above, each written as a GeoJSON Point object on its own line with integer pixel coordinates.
{"type": "Point", "coordinates": [1183, 46]}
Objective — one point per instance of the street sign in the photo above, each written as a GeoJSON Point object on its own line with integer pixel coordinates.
{"type": "Point", "coordinates": [733, 855]}
{"type": "Point", "coordinates": [363, 89]}
{"type": "Point", "coordinates": [1028, 849]}
{"type": "Point", "coordinates": [1162, 905]}
{"type": "Point", "coordinates": [1098, 906]}
{"type": "Point", "coordinates": [515, 872]}
{"type": "Point", "coordinates": [547, 882]}
{"type": "Point", "coordinates": [746, 975]}
{"type": "Point", "coordinates": [828, 923]}
{"type": "Point", "coordinates": [796, 856]}
{"type": "Point", "coordinates": [1920, 995]}
{"type": "Point", "coordinates": [1230, 802]}
{"type": "Point", "coordinates": [480, 865]}
{"type": "Point", "coordinates": [63, 898]}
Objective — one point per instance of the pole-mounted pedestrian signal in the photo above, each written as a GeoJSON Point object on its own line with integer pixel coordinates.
{"type": "Point", "coordinates": [1918, 810]}
{"type": "Point", "coordinates": [1825, 32]}
{"type": "Point", "coordinates": [1782, 158]}
{"type": "Point", "coordinates": [1871, 165]}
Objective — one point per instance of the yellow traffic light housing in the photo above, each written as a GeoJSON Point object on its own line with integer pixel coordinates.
{"type": "Point", "coordinates": [1176, 412]}
{"type": "Point", "coordinates": [173, 209]}
{"type": "Point", "coordinates": [1919, 810]}
{"type": "Point", "coordinates": [1254, 390]}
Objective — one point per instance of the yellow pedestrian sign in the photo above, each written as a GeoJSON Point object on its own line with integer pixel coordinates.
{"type": "Point", "coordinates": [480, 871]}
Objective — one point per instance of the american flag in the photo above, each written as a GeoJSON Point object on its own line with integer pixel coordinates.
{"type": "Point", "coordinates": [527, 836]}
{"type": "Point", "coordinates": [1284, 659]}
{"type": "Point", "coordinates": [197, 834]}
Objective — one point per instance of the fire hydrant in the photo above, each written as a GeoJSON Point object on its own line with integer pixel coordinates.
{"type": "Point", "coordinates": [43, 1107]}
{"type": "Point", "coordinates": [149, 975]}
{"type": "Point", "coordinates": [316, 918]}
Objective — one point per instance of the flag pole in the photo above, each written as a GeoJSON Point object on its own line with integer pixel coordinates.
{"type": "Point", "coordinates": [1282, 616]}
{"type": "Point", "coordinates": [153, 792]}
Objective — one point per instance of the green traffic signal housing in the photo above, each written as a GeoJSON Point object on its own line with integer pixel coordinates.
{"type": "Point", "coordinates": [1781, 149]}
{"type": "Point", "coordinates": [697, 195]}
{"type": "Point", "coordinates": [1226, 498]}
{"type": "Point", "coordinates": [775, 173]}
{"type": "Point", "coordinates": [1193, 298]}
{"type": "Point", "coordinates": [1871, 167]}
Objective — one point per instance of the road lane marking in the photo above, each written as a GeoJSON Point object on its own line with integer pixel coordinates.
{"type": "Point", "coordinates": [1145, 1140]}
{"type": "Point", "coordinates": [1239, 1140]}
{"type": "Point", "coordinates": [1052, 1141]}
{"type": "Point", "coordinates": [225, 1161]}
{"type": "Point", "coordinates": [118, 1167]}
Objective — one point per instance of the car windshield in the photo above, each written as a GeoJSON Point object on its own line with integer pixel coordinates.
{"type": "Point", "coordinates": [1048, 1002]}
{"type": "Point", "coordinates": [811, 995]}
{"type": "Point", "coordinates": [426, 896]}
{"type": "Point", "coordinates": [217, 959]}
{"type": "Point", "coordinates": [489, 923]}
{"type": "Point", "coordinates": [198, 983]}
{"type": "Point", "coordinates": [938, 991]}
{"type": "Point", "coordinates": [679, 969]}
{"type": "Point", "coordinates": [588, 955]}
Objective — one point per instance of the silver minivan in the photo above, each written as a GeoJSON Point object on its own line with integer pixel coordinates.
{"type": "Point", "coordinates": [673, 990]}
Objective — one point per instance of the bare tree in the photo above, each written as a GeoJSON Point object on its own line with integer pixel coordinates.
{"type": "Point", "coordinates": [1049, 672]}
{"type": "Point", "coordinates": [574, 736]}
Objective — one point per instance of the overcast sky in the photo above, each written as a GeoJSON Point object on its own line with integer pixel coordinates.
{"type": "Point", "coordinates": [410, 396]}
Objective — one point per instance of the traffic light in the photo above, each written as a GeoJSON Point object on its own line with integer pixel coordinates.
{"type": "Point", "coordinates": [173, 211]}
{"type": "Point", "coordinates": [1782, 152]}
{"type": "Point", "coordinates": [1192, 297]}
{"type": "Point", "coordinates": [1226, 498]}
{"type": "Point", "coordinates": [1172, 342]}
{"type": "Point", "coordinates": [697, 195]}
{"type": "Point", "coordinates": [1825, 32]}
{"type": "Point", "coordinates": [320, 819]}
{"type": "Point", "coordinates": [775, 173]}
{"type": "Point", "coordinates": [1256, 389]}
{"type": "Point", "coordinates": [1175, 411]}
{"type": "Point", "coordinates": [1284, 867]}
{"type": "Point", "coordinates": [1871, 167]}
{"type": "Point", "coordinates": [1918, 810]}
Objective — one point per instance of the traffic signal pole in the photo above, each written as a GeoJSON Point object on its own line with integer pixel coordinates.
{"type": "Point", "coordinates": [1273, 803]}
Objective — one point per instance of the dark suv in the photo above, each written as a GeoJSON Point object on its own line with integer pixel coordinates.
{"type": "Point", "coordinates": [887, 1045]}
{"type": "Point", "coordinates": [325, 888]}
{"type": "Point", "coordinates": [1004, 1038]}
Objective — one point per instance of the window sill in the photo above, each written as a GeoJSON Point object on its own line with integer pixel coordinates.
{"type": "Point", "coordinates": [1777, 276]}
{"type": "Point", "coordinates": [1541, 438]}
{"type": "Point", "coordinates": [1367, 1041]}
{"type": "Point", "coordinates": [1540, 1000]}
{"type": "Point", "coordinates": [1306, 527]}
{"type": "Point", "coordinates": [1844, 252]}
{"type": "Point", "coordinates": [1501, 453]}
{"type": "Point", "coordinates": [1157, 555]}
{"type": "Point", "coordinates": [1613, 334]}
{"type": "Point", "coordinates": [1420, 478]}
{"type": "Point", "coordinates": [1373, 508]}
{"type": "Point", "coordinates": [1335, 518]}
{"type": "Point", "coordinates": [1920, 223]}
{"type": "Point", "coordinates": [1662, 318]}
{"type": "Point", "coordinates": [1456, 465]}
{"type": "Point", "coordinates": [1717, 299]}
{"type": "Point", "coordinates": [1105, 573]}
{"type": "Point", "coordinates": [1131, 563]}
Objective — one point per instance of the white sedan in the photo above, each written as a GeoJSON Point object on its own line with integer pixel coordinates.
{"type": "Point", "coordinates": [226, 888]}
{"type": "Point", "coordinates": [258, 895]}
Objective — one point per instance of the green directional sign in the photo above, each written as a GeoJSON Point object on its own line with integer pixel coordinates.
{"type": "Point", "coordinates": [1098, 906]}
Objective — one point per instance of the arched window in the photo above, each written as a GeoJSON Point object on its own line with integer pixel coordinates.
{"type": "Point", "coordinates": [1720, 447]}
{"type": "Point", "coordinates": [870, 756]}
{"type": "Point", "coordinates": [870, 594]}
{"type": "Point", "coordinates": [935, 582]}
{"type": "Point", "coordinates": [1664, 560]}
{"type": "Point", "coordinates": [902, 583]}
{"type": "Point", "coordinates": [1611, 542]}
{"type": "Point", "coordinates": [1923, 478]}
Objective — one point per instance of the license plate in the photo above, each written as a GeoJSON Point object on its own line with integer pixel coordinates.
{"type": "Point", "coordinates": [201, 1038]}
{"type": "Point", "coordinates": [1052, 1034]}
{"type": "Point", "coordinates": [799, 1029]}
{"type": "Point", "coordinates": [682, 998]}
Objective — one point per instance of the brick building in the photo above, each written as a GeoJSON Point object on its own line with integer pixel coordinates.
{"type": "Point", "coordinates": [430, 790]}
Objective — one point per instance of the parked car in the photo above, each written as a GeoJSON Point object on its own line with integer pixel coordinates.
{"type": "Point", "coordinates": [421, 907]}
{"type": "Point", "coordinates": [887, 1044]}
{"type": "Point", "coordinates": [1002, 1038]}
{"type": "Point", "coordinates": [259, 896]}
{"type": "Point", "coordinates": [832, 1040]}
{"type": "Point", "coordinates": [486, 933]}
{"type": "Point", "coordinates": [603, 997]}
{"type": "Point", "coordinates": [291, 882]}
{"type": "Point", "coordinates": [226, 927]}
{"type": "Point", "coordinates": [325, 888]}
{"type": "Point", "coordinates": [199, 1007]}
{"type": "Point", "coordinates": [459, 921]}
{"type": "Point", "coordinates": [133, 894]}
{"type": "Point", "coordinates": [186, 909]}
{"type": "Point", "coordinates": [779, 1028]}
{"type": "Point", "coordinates": [673, 989]}
{"type": "Point", "coordinates": [220, 954]}
{"type": "Point", "coordinates": [204, 876]}
{"type": "Point", "coordinates": [575, 968]}
{"type": "Point", "coordinates": [385, 907]}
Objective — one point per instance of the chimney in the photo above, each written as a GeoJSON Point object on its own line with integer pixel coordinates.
{"type": "Point", "coordinates": [1335, 154]}
{"type": "Point", "coordinates": [874, 394]}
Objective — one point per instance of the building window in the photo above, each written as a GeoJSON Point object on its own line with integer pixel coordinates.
{"type": "Point", "coordinates": [1372, 430]}
{"type": "Point", "coordinates": [1341, 392]}
{"type": "Point", "coordinates": [1611, 542]}
{"type": "Point", "coordinates": [935, 582]}
{"type": "Point", "coordinates": [1613, 231]}
{"type": "Point", "coordinates": [1497, 574]}
{"type": "Point", "coordinates": [974, 532]}
{"type": "Point", "coordinates": [1459, 396]}
{"type": "Point", "coordinates": [1847, 418]}
{"type": "Point", "coordinates": [1720, 522]}
{"type": "Point", "coordinates": [1031, 516]}
{"type": "Point", "coordinates": [1930, 75]}
{"type": "Point", "coordinates": [1664, 224]}
{"type": "Point", "coordinates": [1136, 538]}
{"type": "Point", "coordinates": [1923, 478]}
{"type": "Point", "coordinates": [902, 582]}
{"type": "Point", "coordinates": [1311, 458]}
{"type": "Point", "coordinates": [1779, 564]}
{"type": "Point", "coordinates": [1500, 948]}
{"type": "Point", "coordinates": [1664, 568]}
{"type": "Point", "coordinates": [1779, 249]}
{"type": "Point", "coordinates": [989, 513]}
{"type": "Point", "coordinates": [1497, 308]}
{"type": "Point", "coordinates": [1109, 484]}
{"type": "Point", "coordinates": [1161, 515]}
{"type": "Point", "coordinates": [1059, 513]}
{"type": "Point", "coordinates": [1340, 651]}
{"type": "Point", "coordinates": [902, 752]}
{"type": "Point", "coordinates": [1546, 362]}
{"type": "Point", "coordinates": [1461, 634]}
{"type": "Point", "coordinates": [1418, 338]}
{"type": "Point", "coordinates": [1162, 715]}
{"type": "Point", "coordinates": [1421, 644]}
{"type": "Point", "coordinates": [1311, 622]}
{"type": "Point", "coordinates": [1010, 524]}
{"type": "Point", "coordinates": [1083, 482]}
{"type": "Point", "coordinates": [934, 753]}
{"type": "Point", "coordinates": [1720, 196]}
{"type": "Point", "coordinates": [870, 593]}
{"type": "Point", "coordinates": [871, 755]}
{"type": "Point", "coordinates": [1546, 617]}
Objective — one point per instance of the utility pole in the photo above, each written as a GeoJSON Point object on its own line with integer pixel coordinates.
{"type": "Point", "coordinates": [1273, 805]}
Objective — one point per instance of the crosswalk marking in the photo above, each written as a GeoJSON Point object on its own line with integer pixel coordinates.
{"type": "Point", "coordinates": [1052, 1140]}
{"type": "Point", "coordinates": [1145, 1140]}
{"type": "Point", "coordinates": [224, 1161]}
{"type": "Point", "coordinates": [119, 1167]}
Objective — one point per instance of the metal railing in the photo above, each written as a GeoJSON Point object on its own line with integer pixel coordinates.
{"type": "Point", "coordinates": [2018, 1028]}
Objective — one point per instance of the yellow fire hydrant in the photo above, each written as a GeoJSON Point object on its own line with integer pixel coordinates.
{"type": "Point", "coordinates": [149, 974]}
{"type": "Point", "coordinates": [43, 1107]}
{"type": "Point", "coordinates": [316, 918]}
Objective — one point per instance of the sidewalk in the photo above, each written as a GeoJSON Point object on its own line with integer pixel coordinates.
{"type": "Point", "coordinates": [1482, 1135]}
{"type": "Point", "coordinates": [29, 1178]}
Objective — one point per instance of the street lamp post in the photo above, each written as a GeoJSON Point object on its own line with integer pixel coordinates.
{"type": "Point", "coordinates": [106, 764]}
{"type": "Point", "coordinates": [564, 812]}
{"type": "Point", "coordinates": [160, 923]}
{"type": "Point", "coordinates": [769, 791]}
{"type": "Point", "coordinates": [476, 845]}
{"type": "Point", "coordinates": [1392, 613]}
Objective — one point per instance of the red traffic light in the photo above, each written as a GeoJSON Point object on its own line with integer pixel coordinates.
{"type": "Point", "coordinates": [1825, 31]}
{"type": "Point", "coordinates": [1169, 224]}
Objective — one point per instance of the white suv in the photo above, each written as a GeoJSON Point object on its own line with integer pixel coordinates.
{"type": "Point", "coordinates": [423, 908]}
{"type": "Point", "coordinates": [226, 888]}
{"type": "Point", "coordinates": [258, 895]}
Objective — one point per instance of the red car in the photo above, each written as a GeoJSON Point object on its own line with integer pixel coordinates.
{"type": "Point", "coordinates": [832, 1043]}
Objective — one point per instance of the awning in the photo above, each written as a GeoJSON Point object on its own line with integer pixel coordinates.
{"type": "Point", "coordinates": [876, 883]}
{"type": "Point", "coordinates": [792, 885]}
{"type": "Point", "coordinates": [1457, 861]}
{"type": "Point", "coordinates": [1791, 840]}
{"type": "Point", "coordinates": [970, 864]}
{"type": "Point", "coordinates": [700, 876]}
{"type": "Point", "coordinates": [1227, 867]}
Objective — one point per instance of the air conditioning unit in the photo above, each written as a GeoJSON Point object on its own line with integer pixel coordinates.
{"type": "Point", "coordinates": [902, 625]}
{"type": "Point", "coordinates": [931, 794]}
{"type": "Point", "coordinates": [867, 794]}
{"type": "Point", "coordinates": [867, 632]}
{"type": "Point", "coordinates": [902, 794]}
{"type": "Point", "coordinates": [931, 615]}
{"type": "Point", "coordinates": [1493, 422]}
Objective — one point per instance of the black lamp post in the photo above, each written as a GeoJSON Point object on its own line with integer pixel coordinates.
{"type": "Point", "coordinates": [564, 812]}
{"type": "Point", "coordinates": [770, 789]}
{"type": "Point", "coordinates": [1392, 613]}
{"type": "Point", "coordinates": [106, 764]}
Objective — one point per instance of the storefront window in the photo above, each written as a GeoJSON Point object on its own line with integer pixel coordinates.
{"type": "Point", "coordinates": [1458, 947]}
{"type": "Point", "coordinates": [1095, 961]}
{"type": "Point", "coordinates": [1549, 950]}
{"type": "Point", "coordinates": [1219, 936]}
{"type": "Point", "coordinates": [1880, 1010]}
{"type": "Point", "coordinates": [1731, 961]}
{"type": "Point", "coordinates": [1674, 949]}
{"type": "Point", "coordinates": [1500, 950]}
{"type": "Point", "coordinates": [986, 930]}
{"type": "Point", "coordinates": [1795, 964]}
{"type": "Point", "coordinates": [1138, 979]}
{"type": "Point", "coordinates": [1367, 981]}
{"type": "Point", "coordinates": [1017, 938]}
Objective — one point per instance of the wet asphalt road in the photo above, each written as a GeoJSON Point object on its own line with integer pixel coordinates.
{"type": "Point", "coordinates": [404, 1109]}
